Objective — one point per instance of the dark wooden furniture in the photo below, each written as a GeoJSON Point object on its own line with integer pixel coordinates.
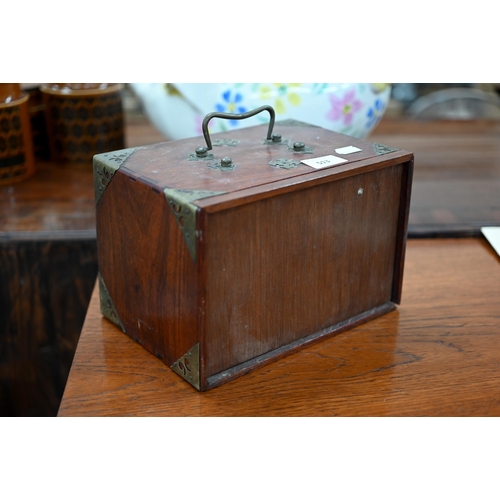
{"type": "Point", "coordinates": [457, 174]}
{"type": "Point", "coordinates": [436, 355]}
{"type": "Point", "coordinates": [48, 266]}
{"type": "Point", "coordinates": [218, 272]}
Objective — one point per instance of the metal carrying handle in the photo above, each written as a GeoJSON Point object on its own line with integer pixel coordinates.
{"type": "Point", "coordinates": [242, 116]}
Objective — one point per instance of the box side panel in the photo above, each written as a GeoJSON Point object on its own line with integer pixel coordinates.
{"type": "Point", "coordinates": [286, 267]}
{"type": "Point", "coordinates": [146, 267]}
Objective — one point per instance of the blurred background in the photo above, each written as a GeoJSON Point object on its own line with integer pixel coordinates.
{"type": "Point", "coordinates": [455, 101]}
{"type": "Point", "coordinates": [50, 132]}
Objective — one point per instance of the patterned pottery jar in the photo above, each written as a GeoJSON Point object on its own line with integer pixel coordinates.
{"type": "Point", "coordinates": [17, 160]}
{"type": "Point", "coordinates": [83, 120]}
{"type": "Point", "coordinates": [37, 118]}
{"type": "Point", "coordinates": [177, 110]}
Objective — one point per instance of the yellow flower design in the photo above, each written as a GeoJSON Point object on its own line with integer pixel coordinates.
{"type": "Point", "coordinates": [378, 87]}
{"type": "Point", "coordinates": [281, 92]}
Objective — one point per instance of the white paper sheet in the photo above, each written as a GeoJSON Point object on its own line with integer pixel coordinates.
{"type": "Point", "coordinates": [492, 234]}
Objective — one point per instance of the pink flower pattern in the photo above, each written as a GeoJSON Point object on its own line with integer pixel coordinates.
{"type": "Point", "coordinates": [344, 108]}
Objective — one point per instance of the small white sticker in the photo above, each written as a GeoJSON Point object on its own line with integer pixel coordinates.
{"type": "Point", "coordinates": [347, 150]}
{"type": "Point", "coordinates": [324, 161]}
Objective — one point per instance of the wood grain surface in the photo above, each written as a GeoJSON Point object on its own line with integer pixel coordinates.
{"type": "Point", "coordinates": [45, 288]}
{"type": "Point", "coordinates": [438, 354]}
{"type": "Point", "coordinates": [296, 264]}
{"type": "Point", "coordinates": [147, 269]}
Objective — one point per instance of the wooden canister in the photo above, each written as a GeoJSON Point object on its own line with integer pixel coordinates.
{"type": "Point", "coordinates": [17, 161]}
{"type": "Point", "coordinates": [83, 119]}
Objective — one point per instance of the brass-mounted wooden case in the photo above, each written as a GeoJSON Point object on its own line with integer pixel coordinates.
{"type": "Point", "coordinates": [219, 272]}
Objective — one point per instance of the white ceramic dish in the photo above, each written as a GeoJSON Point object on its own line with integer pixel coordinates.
{"type": "Point", "coordinates": [177, 110]}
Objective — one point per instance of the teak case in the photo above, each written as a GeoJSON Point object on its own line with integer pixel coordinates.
{"type": "Point", "coordinates": [220, 266]}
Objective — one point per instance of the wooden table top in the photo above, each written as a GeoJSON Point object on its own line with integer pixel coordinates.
{"type": "Point", "coordinates": [438, 354]}
{"type": "Point", "coordinates": [455, 187]}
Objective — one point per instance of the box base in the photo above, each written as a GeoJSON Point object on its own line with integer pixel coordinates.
{"type": "Point", "coordinates": [281, 352]}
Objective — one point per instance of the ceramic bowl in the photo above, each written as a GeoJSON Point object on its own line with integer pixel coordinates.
{"type": "Point", "coordinates": [177, 110]}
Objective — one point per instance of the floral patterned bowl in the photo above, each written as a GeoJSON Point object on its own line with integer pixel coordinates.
{"type": "Point", "coordinates": [177, 110]}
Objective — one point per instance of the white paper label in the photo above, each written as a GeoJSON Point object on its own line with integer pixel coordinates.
{"type": "Point", "coordinates": [492, 234]}
{"type": "Point", "coordinates": [347, 150]}
{"type": "Point", "coordinates": [324, 161]}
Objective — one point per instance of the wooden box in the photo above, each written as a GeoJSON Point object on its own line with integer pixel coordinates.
{"type": "Point", "coordinates": [219, 267]}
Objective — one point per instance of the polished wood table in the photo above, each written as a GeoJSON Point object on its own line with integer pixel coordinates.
{"type": "Point", "coordinates": [438, 354]}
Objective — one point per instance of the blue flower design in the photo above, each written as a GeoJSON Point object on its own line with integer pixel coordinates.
{"type": "Point", "coordinates": [374, 114]}
{"type": "Point", "coordinates": [231, 105]}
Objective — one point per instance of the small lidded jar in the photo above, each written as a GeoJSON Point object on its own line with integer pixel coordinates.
{"type": "Point", "coordinates": [17, 161]}
{"type": "Point", "coordinates": [83, 119]}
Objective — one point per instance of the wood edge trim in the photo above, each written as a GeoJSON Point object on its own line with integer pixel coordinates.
{"type": "Point", "coordinates": [201, 265]}
{"type": "Point", "coordinates": [402, 231]}
{"type": "Point", "coordinates": [434, 231]}
{"type": "Point", "coordinates": [256, 193]}
{"type": "Point", "coordinates": [41, 236]}
{"type": "Point", "coordinates": [283, 351]}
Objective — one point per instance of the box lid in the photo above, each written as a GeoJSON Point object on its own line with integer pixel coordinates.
{"type": "Point", "coordinates": [255, 160]}
{"type": "Point", "coordinates": [259, 166]}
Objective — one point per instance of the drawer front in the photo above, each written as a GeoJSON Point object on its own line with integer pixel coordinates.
{"type": "Point", "coordinates": [283, 268]}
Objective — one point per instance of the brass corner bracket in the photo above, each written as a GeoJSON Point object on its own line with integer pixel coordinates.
{"type": "Point", "coordinates": [188, 366]}
{"type": "Point", "coordinates": [105, 166]}
{"type": "Point", "coordinates": [184, 210]}
{"type": "Point", "coordinates": [108, 309]}
{"type": "Point", "coordinates": [381, 149]}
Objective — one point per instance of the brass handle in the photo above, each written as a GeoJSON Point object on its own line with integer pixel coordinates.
{"type": "Point", "coordinates": [234, 116]}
